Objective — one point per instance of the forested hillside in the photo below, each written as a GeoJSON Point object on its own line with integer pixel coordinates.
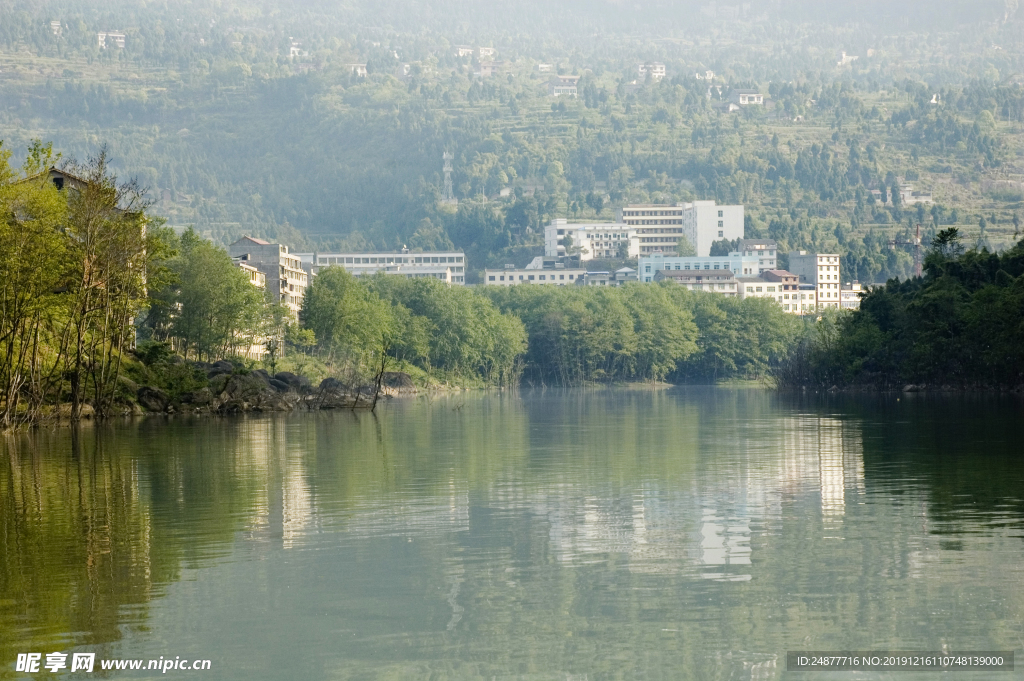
{"type": "Point", "coordinates": [247, 118]}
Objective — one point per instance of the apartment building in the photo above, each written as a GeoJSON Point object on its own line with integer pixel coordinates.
{"type": "Point", "coordinates": [284, 276]}
{"type": "Point", "coordinates": [256, 278]}
{"type": "Point", "coordinates": [820, 269]}
{"type": "Point", "coordinates": [590, 239]}
{"type": "Point", "coordinates": [511, 276]}
{"type": "Point", "coordinates": [722, 282]}
{"type": "Point", "coordinates": [705, 222]}
{"type": "Point", "coordinates": [738, 265]}
{"type": "Point", "coordinates": [655, 68]}
{"type": "Point", "coordinates": [447, 266]}
{"type": "Point", "coordinates": [659, 226]}
{"type": "Point", "coordinates": [849, 295]}
{"type": "Point", "coordinates": [619, 277]}
{"type": "Point", "coordinates": [765, 250]}
{"type": "Point", "coordinates": [779, 285]}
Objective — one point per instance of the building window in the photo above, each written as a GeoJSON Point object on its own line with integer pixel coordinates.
{"type": "Point", "coordinates": [719, 215]}
{"type": "Point", "coordinates": [542, 277]}
{"type": "Point", "coordinates": [491, 278]}
{"type": "Point", "coordinates": [721, 223]}
{"type": "Point", "coordinates": [771, 289]}
{"type": "Point", "coordinates": [720, 233]}
{"type": "Point", "coordinates": [530, 277]}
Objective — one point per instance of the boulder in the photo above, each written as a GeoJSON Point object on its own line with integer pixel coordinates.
{"type": "Point", "coordinates": [279, 386]}
{"type": "Point", "coordinates": [298, 383]}
{"type": "Point", "coordinates": [246, 386]}
{"type": "Point", "coordinates": [399, 380]}
{"type": "Point", "coordinates": [262, 373]}
{"type": "Point", "coordinates": [221, 367]}
{"type": "Point", "coordinates": [218, 383]}
{"type": "Point", "coordinates": [199, 398]}
{"type": "Point", "coordinates": [331, 383]}
{"type": "Point", "coordinates": [152, 399]}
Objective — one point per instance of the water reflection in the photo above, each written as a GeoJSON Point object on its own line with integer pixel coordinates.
{"type": "Point", "coordinates": [688, 533]}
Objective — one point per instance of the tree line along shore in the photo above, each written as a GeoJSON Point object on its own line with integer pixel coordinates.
{"type": "Point", "coordinates": [107, 311]}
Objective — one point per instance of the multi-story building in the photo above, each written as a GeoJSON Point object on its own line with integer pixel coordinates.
{"type": "Point", "coordinates": [659, 226]}
{"type": "Point", "coordinates": [820, 269]}
{"type": "Point", "coordinates": [110, 39]}
{"type": "Point", "coordinates": [704, 222]}
{"type": "Point", "coordinates": [447, 266]}
{"type": "Point", "coordinates": [563, 86]}
{"type": "Point", "coordinates": [619, 277]}
{"type": "Point", "coordinates": [766, 251]}
{"type": "Point", "coordinates": [591, 239]}
{"type": "Point", "coordinates": [849, 295]}
{"type": "Point", "coordinates": [723, 282]}
{"type": "Point", "coordinates": [739, 265]}
{"type": "Point", "coordinates": [285, 277]}
{"type": "Point", "coordinates": [256, 278]}
{"type": "Point", "coordinates": [745, 97]}
{"type": "Point", "coordinates": [808, 298]}
{"type": "Point", "coordinates": [511, 276]}
{"type": "Point", "coordinates": [655, 68]}
{"type": "Point", "coordinates": [779, 285]}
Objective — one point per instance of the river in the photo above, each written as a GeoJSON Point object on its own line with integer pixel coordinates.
{"type": "Point", "coordinates": [684, 533]}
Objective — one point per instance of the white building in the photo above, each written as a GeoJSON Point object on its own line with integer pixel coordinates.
{"type": "Point", "coordinates": [591, 239]}
{"type": "Point", "coordinates": [448, 266]}
{"type": "Point", "coordinates": [745, 97]}
{"type": "Point", "coordinates": [765, 250]}
{"type": "Point", "coordinates": [256, 278]}
{"type": "Point", "coordinates": [722, 282]}
{"type": "Point", "coordinates": [619, 277]}
{"type": "Point", "coordinates": [285, 277]}
{"type": "Point", "coordinates": [659, 226]}
{"type": "Point", "coordinates": [510, 276]}
{"type": "Point", "coordinates": [110, 39]}
{"type": "Point", "coordinates": [849, 295]}
{"type": "Point", "coordinates": [820, 269]}
{"type": "Point", "coordinates": [779, 285]}
{"type": "Point", "coordinates": [655, 68]}
{"type": "Point", "coordinates": [704, 222]}
{"type": "Point", "coordinates": [563, 86]}
{"type": "Point", "coordinates": [738, 265]}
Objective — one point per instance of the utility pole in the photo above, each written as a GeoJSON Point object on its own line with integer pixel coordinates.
{"type": "Point", "coordinates": [448, 195]}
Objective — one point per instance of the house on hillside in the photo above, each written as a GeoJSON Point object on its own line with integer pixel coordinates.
{"type": "Point", "coordinates": [745, 97]}
{"type": "Point", "coordinates": [563, 86]}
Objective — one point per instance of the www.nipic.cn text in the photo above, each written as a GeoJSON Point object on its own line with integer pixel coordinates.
{"type": "Point", "coordinates": [86, 662]}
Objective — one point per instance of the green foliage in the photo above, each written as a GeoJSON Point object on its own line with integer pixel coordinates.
{"type": "Point", "coordinates": [211, 309]}
{"type": "Point", "coordinates": [452, 329]}
{"type": "Point", "coordinates": [959, 325]}
{"type": "Point", "coordinates": [346, 318]}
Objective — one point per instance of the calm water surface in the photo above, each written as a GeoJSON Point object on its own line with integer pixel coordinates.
{"type": "Point", "coordinates": [691, 533]}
